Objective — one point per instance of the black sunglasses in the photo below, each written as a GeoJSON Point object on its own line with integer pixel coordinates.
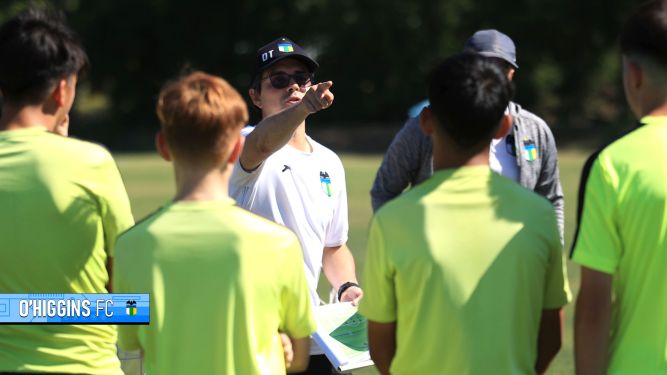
{"type": "Point", "coordinates": [281, 80]}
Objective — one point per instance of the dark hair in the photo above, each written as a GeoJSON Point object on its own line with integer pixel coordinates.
{"type": "Point", "coordinates": [37, 49]}
{"type": "Point", "coordinates": [645, 32]}
{"type": "Point", "coordinates": [468, 95]}
{"type": "Point", "coordinates": [256, 83]}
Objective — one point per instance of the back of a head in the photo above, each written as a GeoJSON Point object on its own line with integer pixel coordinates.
{"type": "Point", "coordinates": [37, 49]}
{"type": "Point", "coordinates": [201, 117]}
{"type": "Point", "coordinates": [468, 95]}
{"type": "Point", "coordinates": [645, 32]}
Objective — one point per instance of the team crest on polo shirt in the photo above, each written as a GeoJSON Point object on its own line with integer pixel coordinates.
{"type": "Point", "coordinates": [529, 150]}
{"type": "Point", "coordinates": [325, 181]}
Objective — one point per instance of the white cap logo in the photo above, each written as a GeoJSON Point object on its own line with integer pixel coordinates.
{"type": "Point", "coordinates": [267, 55]}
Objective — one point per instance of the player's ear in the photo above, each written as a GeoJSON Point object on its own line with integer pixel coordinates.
{"type": "Point", "coordinates": [255, 97]}
{"type": "Point", "coordinates": [59, 93]}
{"type": "Point", "coordinates": [504, 127]}
{"type": "Point", "coordinates": [236, 151]}
{"type": "Point", "coordinates": [635, 74]}
{"type": "Point", "coordinates": [426, 120]}
{"type": "Point", "coordinates": [161, 146]}
{"type": "Point", "coordinates": [510, 74]}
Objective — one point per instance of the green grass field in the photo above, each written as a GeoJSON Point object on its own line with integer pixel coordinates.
{"type": "Point", "coordinates": [149, 183]}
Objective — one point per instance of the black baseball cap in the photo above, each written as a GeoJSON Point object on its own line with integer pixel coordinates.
{"type": "Point", "coordinates": [492, 43]}
{"type": "Point", "coordinates": [280, 49]}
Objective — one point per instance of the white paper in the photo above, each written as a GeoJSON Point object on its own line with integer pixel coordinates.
{"type": "Point", "coordinates": [342, 334]}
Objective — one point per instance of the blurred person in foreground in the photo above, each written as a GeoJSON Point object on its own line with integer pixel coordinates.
{"type": "Point", "coordinates": [464, 273]}
{"type": "Point", "coordinates": [287, 177]}
{"type": "Point", "coordinates": [63, 201]}
{"type": "Point", "coordinates": [223, 282]}
{"type": "Point", "coordinates": [526, 154]}
{"type": "Point", "coordinates": [621, 310]}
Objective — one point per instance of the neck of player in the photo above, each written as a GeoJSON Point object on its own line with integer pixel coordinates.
{"type": "Point", "coordinates": [657, 107]}
{"type": "Point", "coordinates": [20, 117]}
{"type": "Point", "coordinates": [299, 139]}
{"type": "Point", "coordinates": [197, 183]}
{"type": "Point", "coordinates": [447, 154]}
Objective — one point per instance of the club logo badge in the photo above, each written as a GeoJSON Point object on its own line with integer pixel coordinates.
{"type": "Point", "coordinates": [529, 150]}
{"type": "Point", "coordinates": [325, 181]}
{"type": "Point", "coordinates": [131, 308]}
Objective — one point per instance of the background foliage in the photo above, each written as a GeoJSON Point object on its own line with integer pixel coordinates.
{"type": "Point", "coordinates": [377, 52]}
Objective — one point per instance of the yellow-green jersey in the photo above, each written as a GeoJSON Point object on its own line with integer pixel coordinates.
{"type": "Point", "coordinates": [63, 205]}
{"type": "Point", "coordinates": [464, 263]}
{"type": "Point", "coordinates": [623, 232]}
{"type": "Point", "coordinates": [222, 281]}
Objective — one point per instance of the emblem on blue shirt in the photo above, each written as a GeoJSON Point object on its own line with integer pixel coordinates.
{"type": "Point", "coordinates": [325, 181]}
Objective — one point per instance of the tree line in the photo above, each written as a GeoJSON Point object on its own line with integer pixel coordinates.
{"type": "Point", "coordinates": [377, 52]}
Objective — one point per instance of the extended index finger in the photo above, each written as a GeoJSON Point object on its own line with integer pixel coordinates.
{"type": "Point", "coordinates": [322, 87]}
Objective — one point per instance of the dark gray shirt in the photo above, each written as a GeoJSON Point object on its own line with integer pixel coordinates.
{"type": "Point", "coordinates": [409, 161]}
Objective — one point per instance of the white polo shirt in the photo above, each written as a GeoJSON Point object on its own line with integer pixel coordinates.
{"type": "Point", "coordinates": [304, 191]}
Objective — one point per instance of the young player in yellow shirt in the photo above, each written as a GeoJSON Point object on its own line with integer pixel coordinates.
{"type": "Point", "coordinates": [62, 200]}
{"type": "Point", "coordinates": [225, 284]}
{"type": "Point", "coordinates": [464, 273]}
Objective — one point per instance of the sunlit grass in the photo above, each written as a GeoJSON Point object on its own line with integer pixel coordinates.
{"type": "Point", "coordinates": [149, 183]}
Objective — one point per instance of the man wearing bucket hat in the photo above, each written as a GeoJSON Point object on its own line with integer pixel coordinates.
{"type": "Point", "coordinates": [286, 176]}
{"type": "Point", "coordinates": [527, 154]}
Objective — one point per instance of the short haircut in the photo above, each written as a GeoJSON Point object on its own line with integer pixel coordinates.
{"type": "Point", "coordinates": [645, 32]}
{"type": "Point", "coordinates": [201, 116]}
{"type": "Point", "coordinates": [468, 96]}
{"type": "Point", "coordinates": [37, 49]}
{"type": "Point", "coordinates": [256, 83]}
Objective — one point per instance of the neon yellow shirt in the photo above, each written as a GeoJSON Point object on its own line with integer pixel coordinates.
{"type": "Point", "coordinates": [623, 231]}
{"type": "Point", "coordinates": [223, 282]}
{"type": "Point", "coordinates": [464, 263]}
{"type": "Point", "coordinates": [63, 204]}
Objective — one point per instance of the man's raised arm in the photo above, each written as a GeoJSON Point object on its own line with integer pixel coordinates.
{"type": "Point", "coordinates": [273, 132]}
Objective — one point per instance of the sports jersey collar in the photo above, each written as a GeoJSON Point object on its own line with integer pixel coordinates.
{"type": "Point", "coordinates": [296, 151]}
{"type": "Point", "coordinates": [462, 172]}
{"type": "Point", "coordinates": [38, 129]}
{"type": "Point", "coordinates": [201, 205]}
{"type": "Point", "coordinates": [651, 120]}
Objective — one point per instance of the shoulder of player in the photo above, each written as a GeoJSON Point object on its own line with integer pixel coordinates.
{"type": "Point", "coordinates": [525, 199]}
{"type": "Point", "coordinates": [412, 129]}
{"type": "Point", "coordinates": [141, 228]}
{"type": "Point", "coordinates": [614, 151]}
{"type": "Point", "coordinates": [531, 126]}
{"type": "Point", "coordinates": [325, 152]}
{"type": "Point", "coordinates": [401, 206]}
{"type": "Point", "coordinates": [407, 137]}
{"type": "Point", "coordinates": [279, 235]}
{"type": "Point", "coordinates": [83, 151]}
{"type": "Point", "coordinates": [629, 140]}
